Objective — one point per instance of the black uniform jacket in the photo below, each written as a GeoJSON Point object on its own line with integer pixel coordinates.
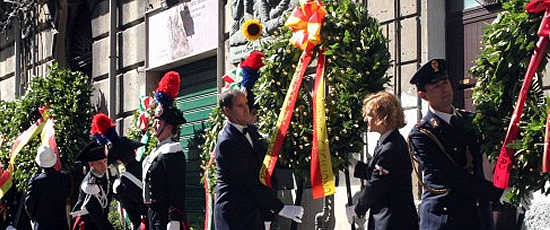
{"type": "Point", "coordinates": [93, 202]}
{"type": "Point", "coordinates": [164, 183]}
{"type": "Point", "coordinates": [465, 204]}
{"type": "Point", "coordinates": [46, 200]}
{"type": "Point", "coordinates": [130, 194]}
{"type": "Point", "coordinates": [388, 189]}
{"type": "Point", "coordinates": [240, 197]}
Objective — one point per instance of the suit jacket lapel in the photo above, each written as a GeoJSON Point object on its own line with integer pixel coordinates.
{"type": "Point", "coordinates": [258, 154]}
{"type": "Point", "coordinates": [234, 131]}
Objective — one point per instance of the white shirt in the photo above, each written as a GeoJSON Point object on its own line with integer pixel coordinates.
{"type": "Point", "coordinates": [384, 136]}
{"type": "Point", "coordinates": [240, 128]}
{"type": "Point", "coordinates": [444, 116]}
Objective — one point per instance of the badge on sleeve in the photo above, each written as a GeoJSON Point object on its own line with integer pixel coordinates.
{"type": "Point", "coordinates": [381, 170]}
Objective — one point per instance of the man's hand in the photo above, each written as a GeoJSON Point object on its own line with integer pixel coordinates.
{"type": "Point", "coordinates": [292, 212]}
{"type": "Point", "coordinates": [173, 225]}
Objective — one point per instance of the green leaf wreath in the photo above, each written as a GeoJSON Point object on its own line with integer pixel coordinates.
{"type": "Point", "coordinates": [357, 61]}
{"type": "Point", "coordinates": [68, 95]}
{"type": "Point", "coordinates": [507, 47]}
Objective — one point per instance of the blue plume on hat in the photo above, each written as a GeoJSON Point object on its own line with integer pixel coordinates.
{"type": "Point", "coordinates": [250, 67]}
{"type": "Point", "coordinates": [103, 129]}
{"type": "Point", "coordinates": [168, 88]}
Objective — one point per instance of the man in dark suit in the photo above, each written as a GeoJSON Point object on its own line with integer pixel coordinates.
{"type": "Point", "coordinates": [48, 193]}
{"type": "Point", "coordinates": [164, 174]}
{"type": "Point", "coordinates": [388, 189]}
{"type": "Point", "coordinates": [242, 202]}
{"type": "Point", "coordinates": [456, 195]}
{"type": "Point", "coordinates": [130, 188]}
{"type": "Point", "coordinates": [92, 209]}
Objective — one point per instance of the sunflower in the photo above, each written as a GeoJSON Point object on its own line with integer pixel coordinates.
{"type": "Point", "coordinates": [252, 29]}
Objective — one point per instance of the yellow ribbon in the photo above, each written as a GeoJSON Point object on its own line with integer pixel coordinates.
{"type": "Point", "coordinates": [305, 22]}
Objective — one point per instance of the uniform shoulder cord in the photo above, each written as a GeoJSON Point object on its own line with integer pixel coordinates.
{"type": "Point", "coordinates": [415, 161]}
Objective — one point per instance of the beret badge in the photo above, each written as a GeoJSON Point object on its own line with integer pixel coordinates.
{"type": "Point", "coordinates": [435, 66]}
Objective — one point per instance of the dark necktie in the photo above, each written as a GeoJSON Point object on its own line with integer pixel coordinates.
{"type": "Point", "coordinates": [245, 131]}
{"type": "Point", "coordinates": [455, 121]}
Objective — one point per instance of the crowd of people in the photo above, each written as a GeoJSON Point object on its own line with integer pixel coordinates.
{"type": "Point", "coordinates": [442, 150]}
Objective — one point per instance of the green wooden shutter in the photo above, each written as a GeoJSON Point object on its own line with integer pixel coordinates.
{"type": "Point", "coordinates": [198, 97]}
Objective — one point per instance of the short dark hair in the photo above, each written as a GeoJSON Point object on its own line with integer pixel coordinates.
{"type": "Point", "coordinates": [226, 98]}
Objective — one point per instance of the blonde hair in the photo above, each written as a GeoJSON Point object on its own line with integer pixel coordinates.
{"type": "Point", "coordinates": [386, 108]}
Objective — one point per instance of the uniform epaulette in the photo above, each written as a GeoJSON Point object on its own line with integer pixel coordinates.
{"type": "Point", "coordinates": [90, 186]}
{"type": "Point", "coordinates": [465, 113]}
{"type": "Point", "coordinates": [420, 123]}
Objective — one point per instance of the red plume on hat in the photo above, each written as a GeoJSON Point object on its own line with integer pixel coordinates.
{"type": "Point", "coordinates": [250, 67]}
{"type": "Point", "coordinates": [168, 88]}
{"type": "Point", "coordinates": [103, 129]}
{"type": "Point", "coordinates": [253, 61]}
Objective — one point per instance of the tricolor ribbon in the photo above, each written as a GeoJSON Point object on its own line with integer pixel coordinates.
{"type": "Point", "coordinates": [145, 103]}
{"type": "Point", "coordinates": [233, 79]}
{"type": "Point", "coordinates": [141, 150]}
{"type": "Point", "coordinates": [6, 177]}
{"type": "Point", "coordinates": [504, 164]}
{"type": "Point", "coordinates": [305, 21]}
{"type": "Point", "coordinates": [145, 108]}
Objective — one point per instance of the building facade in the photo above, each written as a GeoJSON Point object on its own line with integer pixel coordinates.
{"type": "Point", "coordinates": [125, 46]}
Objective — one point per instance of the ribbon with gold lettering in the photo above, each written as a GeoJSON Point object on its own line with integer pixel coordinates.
{"type": "Point", "coordinates": [305, 21]}
{"type": "Point", "coordinates": [276, 141]}
{"type": "Point", "coordinates": [322, 178]}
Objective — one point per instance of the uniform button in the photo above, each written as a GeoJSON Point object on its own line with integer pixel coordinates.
{"type": "Point", "coordinates": [150, 193]}
{"type": "Point", "coordinates": [445, 209]}
{"type": "Point", "coordinates": [454, 149]}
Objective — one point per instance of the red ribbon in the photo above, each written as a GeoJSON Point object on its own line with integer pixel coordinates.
{"type": "Point", "coordinates": [504, 164]}
{"type": "Point", "coordinates": [546, 154]}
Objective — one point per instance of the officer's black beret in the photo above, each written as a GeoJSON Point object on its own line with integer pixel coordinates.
{"type": "Point", "coordinates": [431, 72]}
{"type": "Point", "coordinates": [123, 149]}
{"type": "Point", "coordinates": [169, 114]}
{"type": "Point", "coordinates": [92, 152]}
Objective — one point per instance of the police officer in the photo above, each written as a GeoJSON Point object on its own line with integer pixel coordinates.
{"type": "Point", "coordinates": [164, 173]}
{"type": "Point", "coordinates": [129, 189]}
{"type": "Point", "coordinates": [92, 208]}
{"type": "Point", "coordinates": [456, 195]}
{"type": "Point", "coordinates": [48, 193]}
